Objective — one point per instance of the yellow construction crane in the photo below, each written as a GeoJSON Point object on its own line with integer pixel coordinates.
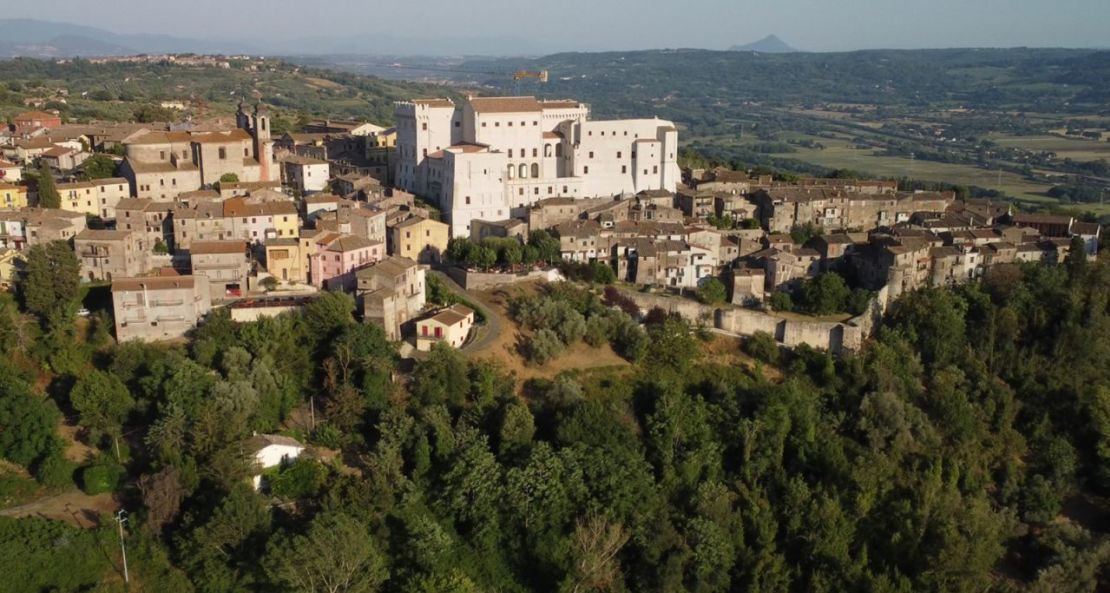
{"type": "Point", "coordinates": [522, 74]}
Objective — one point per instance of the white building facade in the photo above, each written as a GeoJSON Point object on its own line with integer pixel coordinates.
{"type": "Point", "coordinates": [494, 157]}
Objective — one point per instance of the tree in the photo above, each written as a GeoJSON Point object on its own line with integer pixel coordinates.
{"type": "Point", "coordinates": [229, 178]}
{"type": "Point", "coordinates": [762, 346]}
{"type": "Point", "coordinates": [595, 545]}
{"type": "Point", "coordinates": [47, 191]}
{"type": "Point", "coordinates": [98, 166]}
{"type": "Point", "coordinates": [103, 402]}
{"type": "Point", "coordinates": [29, 422]}
{"type": "Point", "coordinates": [825, 294]}
{"type": "Point", "coordinates": [50, 283]}
{"type": "Point", "coordinates": [335, 556]}
{"type": "Point", "coordinates": [146, 114]}
{"type": "Point", "coordinates": [712, 292]}
{"type": "Point", "coordinates": [163, 494]}
{"type": "Point", "coordinates": [544, 345]}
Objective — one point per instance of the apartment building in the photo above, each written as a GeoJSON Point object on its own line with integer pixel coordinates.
{"type": "Point", "coordinates": [158, 307]}
{"type": "Point", "coordinates": [224, 264]}
{"type": "Point", "coordinates": [781, 210]}
{"type": "Point", "coordinates": [97, 197]}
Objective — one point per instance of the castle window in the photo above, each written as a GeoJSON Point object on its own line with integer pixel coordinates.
{"type": "Point", "coordinates": [535, 152]}
{"type": "Point", "coordinates": [536, 171]}
{"type": "Point", "coordinates": [424, 126]}
{"type": "Point", "coordinates": [497, 124]}
{"type": "Point", "coordinates": [522, 171]}
{"type": "Point", "coordinates": [585, 170]}
{"type": "Point", "coordinates": [510, 124]}
{"type": "Point", "coordinates": [223, 153]}
{"type": "Point", "coordinates": [618, 154]}
{"type": "Point", "coordinates": [591, 154]}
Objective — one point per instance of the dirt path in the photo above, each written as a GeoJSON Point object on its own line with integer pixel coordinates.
{"type": "Point", "coordinates": [72, 506]}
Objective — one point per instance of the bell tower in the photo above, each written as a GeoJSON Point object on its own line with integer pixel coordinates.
{"type": "Point", "coordinates": [263, 145]}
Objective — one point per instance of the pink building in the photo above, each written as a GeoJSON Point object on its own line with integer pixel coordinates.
{"type": "Point", "coordinates": [334, 257]}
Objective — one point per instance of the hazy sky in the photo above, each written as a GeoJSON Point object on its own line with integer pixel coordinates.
{"type": "Point", "coordinates": [560, 25]}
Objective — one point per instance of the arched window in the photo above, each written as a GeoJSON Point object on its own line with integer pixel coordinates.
{"type": "Point", "coordinates": [512, 172]}
{"type": "Point", "coordinates": [535, 170]}
{"type": "Point", "coordinates": [523, 171]}
{"type": "Point", "coordinates": [546, 150]}
{"type": "Point", "coordinates": [558, 150]}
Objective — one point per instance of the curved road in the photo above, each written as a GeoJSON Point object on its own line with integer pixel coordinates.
{"type": "Point", "coordinates": [494, 325]}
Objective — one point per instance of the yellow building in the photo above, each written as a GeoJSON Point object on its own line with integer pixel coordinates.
{"type": "Point", "coordinates": [420, 239]}
{"type": "Point", "coordinates": [13, 196]}
{"type": "Point", "coordinates": [285, 261]}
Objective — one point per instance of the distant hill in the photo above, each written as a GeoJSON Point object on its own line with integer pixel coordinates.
{"type": "Point", "coordinates": [770, 44]}
{"type": "Point", "coordinates": [48, 39]}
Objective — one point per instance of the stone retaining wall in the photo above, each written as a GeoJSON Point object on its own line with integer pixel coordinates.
{"type": "Point", "coordinates": [826, 335]}
{"type": "Point", "coordinates": [487, 280]}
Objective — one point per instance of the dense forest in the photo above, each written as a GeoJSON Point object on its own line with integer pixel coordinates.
{"type": "Point", "coordinates": [967, 448]}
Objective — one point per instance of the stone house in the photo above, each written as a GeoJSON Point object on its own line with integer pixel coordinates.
{"type": "Point", "coordinates": [391, 293]}
{"type": "Point", "coordinates": [105, 254]}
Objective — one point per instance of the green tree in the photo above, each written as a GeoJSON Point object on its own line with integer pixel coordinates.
{"type": "Point", "coordinates": [29, 422]}
{"type": "Point", "coordinates": [98, 166]}
{"type": "Point", "coordinates": [712, 292]}
{"type": "Point", "coordinates": [103, 402]}
{"type": "Point", "coordinates": [336, 555]}
{"type": "Point", "coordinates": [47, 190]}
{"type": "Point", "coordinates": [50, 283]}
{"type": "Point", "coordinates": [229, 178]}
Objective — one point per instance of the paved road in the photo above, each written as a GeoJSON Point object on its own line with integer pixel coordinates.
{"type": "Point", "coordinates": [494, 325]}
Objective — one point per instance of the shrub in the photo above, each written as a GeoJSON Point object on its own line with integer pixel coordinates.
{"type": "Point", "coordinates": [597, 330]}
{"type": "Point", "coordinates": [544, 346]}
{"type": "Point", "coordinates": [301, 479]}
{"type": "Point", "coordinates": [712, 292]}
{"type": "Point", "coordinates": [630, 340]}
{"type": "Point", "coordinates": [762, 346]}
{"type": "Point", "coordinates": [781, 301]}
{"type": "Point", "coordinates": [269, 283]}
{"type": "Point", "coordinates": [55, 471]}
{"type": "Point", "coordinates": [101, 477]}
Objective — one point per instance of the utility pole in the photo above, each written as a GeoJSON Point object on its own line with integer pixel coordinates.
{"type": "Point", "coordinates": [120, 520]}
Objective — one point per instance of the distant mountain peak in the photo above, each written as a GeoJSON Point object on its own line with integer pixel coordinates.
{"type": "Point", "coordinates": [770, 44]}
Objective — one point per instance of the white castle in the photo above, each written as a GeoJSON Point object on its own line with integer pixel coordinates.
{"type": "Point", "coordinates": [495, 156]}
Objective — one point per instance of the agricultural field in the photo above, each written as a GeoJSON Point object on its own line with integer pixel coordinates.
{"type": "Point", "coordinates": [1073, 148]}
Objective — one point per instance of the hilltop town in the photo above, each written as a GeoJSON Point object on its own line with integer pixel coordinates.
{"type": "Point", "coordinates": [183, 219]}
{"type": "Point", "coordinates": [275, 330]}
